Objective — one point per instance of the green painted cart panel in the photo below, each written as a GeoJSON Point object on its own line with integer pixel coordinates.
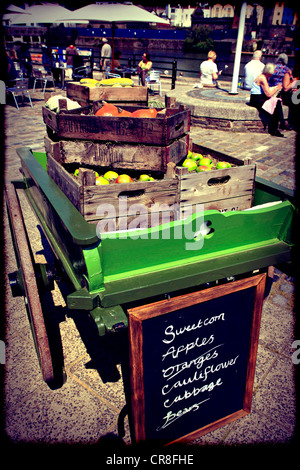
{"type": "Point", "coordinates": [121, 267]}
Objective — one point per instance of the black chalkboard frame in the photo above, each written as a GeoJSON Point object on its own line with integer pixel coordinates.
{"type": "Point", "coordinates": [140, 314]}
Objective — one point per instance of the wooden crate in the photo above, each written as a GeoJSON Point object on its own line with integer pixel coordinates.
{"type": "Point", "coordinates": [223, 190]}
{"type": "Point", "coordinates": [175, 196]}
{"type": "Point", "coordinates": [117, 205]}
{"type": "Point", "coordinates": [135, 95]}
{"type": "Point", "coordinates": [118, 155]}
{"type": "Point", "coordinates": [171, 124]}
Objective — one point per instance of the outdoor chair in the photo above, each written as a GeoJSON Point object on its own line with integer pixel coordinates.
{"type": "Point", "coordinates": [113, 75]}
{"type": "Point", "coordinates": [109, 74]}
{"type": "Point", "coordinates": [153, 80]}
{"type": "Point", "coordinates": [20, 88]}
{"type": "Point", "coordinates": [84, 71]}
{"type": "Point", "coordinates": [43, 77]}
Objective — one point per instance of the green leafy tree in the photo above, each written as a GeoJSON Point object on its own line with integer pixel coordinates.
{"type": "Point", "coordinates": [199, 39]}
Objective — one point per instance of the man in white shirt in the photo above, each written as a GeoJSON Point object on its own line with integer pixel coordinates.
{"type": "Point", "coordinates": [252, 69]}
{"type": "Point", "coordinates": [105, 54]}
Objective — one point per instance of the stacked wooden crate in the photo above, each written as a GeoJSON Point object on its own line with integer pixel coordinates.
{"type": "Point", "coordinates": [132, 144]}
{"type": "Point", "coordinates": [83, 94]}
{"type": "Point", "coordinates": [158, 145]}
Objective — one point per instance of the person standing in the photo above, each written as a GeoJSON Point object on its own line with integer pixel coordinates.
{"type": "Point", "coordinates": [105, 54]}
{"type": "Point", "coordinates": [260, 93]}
{"type": "Point", "coordinates": [71, 52]}
{"type": "Point", "coordinates": [47, 58]}
{"type": "Point", "coordinates": [25, 60]}
{"type": "Point", "coordinates": [252, 69]}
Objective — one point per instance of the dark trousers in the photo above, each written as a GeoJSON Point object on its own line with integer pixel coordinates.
{"type": "Point", "coordinates": [293, 107]}
{"type": "Point", "coordinates": [269, 120]}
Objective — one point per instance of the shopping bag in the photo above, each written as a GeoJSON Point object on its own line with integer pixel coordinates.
{"type": "Point", "coordinates": [271, 104]}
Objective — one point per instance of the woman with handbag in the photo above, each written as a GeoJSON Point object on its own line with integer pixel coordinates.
{"type": "Point", "coordinates": [263, 98]}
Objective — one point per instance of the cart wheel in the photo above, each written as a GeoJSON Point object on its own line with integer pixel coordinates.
{"type": "Point", "coordinates": [29, 285]}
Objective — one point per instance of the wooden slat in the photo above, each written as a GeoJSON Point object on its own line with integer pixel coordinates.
{"type": "Point", "coordinates": [136, 94]}
{"type": "Point", "coordinates": [161, 130]}
{"type": "Point", "coordinates": [127, 156]}
{"type": "Point", "coordinates": [72, 189]}
{"type": "Point", "coordinates": [238, 203]}
{"type": "Point", "coordinates": [158, 195]}
{"type": "Point", "coordinates": [217, 185]}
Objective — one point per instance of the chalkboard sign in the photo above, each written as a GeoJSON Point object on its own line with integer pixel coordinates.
{"type": "Point", "coordinates": [192, 360]}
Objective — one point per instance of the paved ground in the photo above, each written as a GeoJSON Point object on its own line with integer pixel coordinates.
{"type": "Point", "coordinates": [85, 410]}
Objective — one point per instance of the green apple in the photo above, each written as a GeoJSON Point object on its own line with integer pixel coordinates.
{"type": "Point", "coordinates": [203, 168]}
{"type": "Point", "coordinates": [189, 154]}
{"type": "Point", "coordinates": [205, 161]}
{"type": "Point", "coordinates": [101, 180]}
{"type": "Point", "coordinates": [223, 165]}
{"type": "Point", "coordinates": [96, 174]}
{"type": "Point", "coordinates": [190, 164]}
{"type": "Point", "coordinates": [110, 175]}
{"type": "Point", "coordinates": [144, 178]}
{"type": "Point", "coordinates": [197, 156]}
{"type": "Point", "coordinates": [151, 178]}
{"type": "Point", "coordinates": [124, 179]}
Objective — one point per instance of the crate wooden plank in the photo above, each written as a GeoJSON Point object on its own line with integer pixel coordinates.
{"type": "Point", "coordinates": [162, 130]}
{"type": "Point", "coordinates": [130, 222]}
{"type": "Point", "coordinates": [72, 188]}
{"type": "Point", "coordinates": [238, 203]}
{"type": "Point", "coordinates": [127, 199]}
{"type": "Point", "coordinates": [118, 156]}
{"type": "Point", "coordinates": [135, 94]}
{"type": "Point", "coordinates": [216, 185]}
{"type": "Point", "coordinates": [153, 201]}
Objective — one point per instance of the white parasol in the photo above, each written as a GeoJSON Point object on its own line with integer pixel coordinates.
{"type": "Point", "coordinates": [37, 14]}
{"type": "Point", "coordinates": [114, 13]}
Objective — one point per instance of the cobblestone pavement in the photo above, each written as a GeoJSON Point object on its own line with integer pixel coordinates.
{"type": "Point", "coordinates": [85, 410]}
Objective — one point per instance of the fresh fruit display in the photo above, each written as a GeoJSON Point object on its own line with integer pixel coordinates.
{"type": "Point", "coordinates": [90, 82]}
{"type": "Point", "coordinates": [124, 113]}
{"type": "Point", "coordinates": [107, 109]}
{"type": "Point", "coordinates": [145, 113]}
{"type": "Point", "coordinates": [114, 81]}
{"type": "Point", "coordinates": [190, 164]}
{"type": "Point", "coordinates": [205, 161]}
{"type": "Point", "coordinates": [110, 175]}
{"type": "Point", "coordinates": [144, 178]}
{"type": "Point", "coordinates": [101, 180]}
{"type": "Point", "coordinates": [124, 179]}
{"type": "Point", "coordinates": [223, 165]}
{"type": "Point", "coordinates": [197, 162]}
{"type": "Point", "coordinates": [203, 168]}
{"type": "Point", "coordinates": [194, 162]}
{"type": "Point", "coordinates": [194, 156]}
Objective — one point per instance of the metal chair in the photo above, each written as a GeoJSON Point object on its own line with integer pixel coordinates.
{"type": "Point", "coordinates": [44, 77]}
{"type": "Point", "coordinates": [153, 80]}
{"type": "Point", "coordinates": [20, 89]}
{"type": "Point", "coordinates": [113, 75]}
{"type": "Point", "coordinates": [109, 74]}
{"type": "Point", "coordinates": [82, 72]}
